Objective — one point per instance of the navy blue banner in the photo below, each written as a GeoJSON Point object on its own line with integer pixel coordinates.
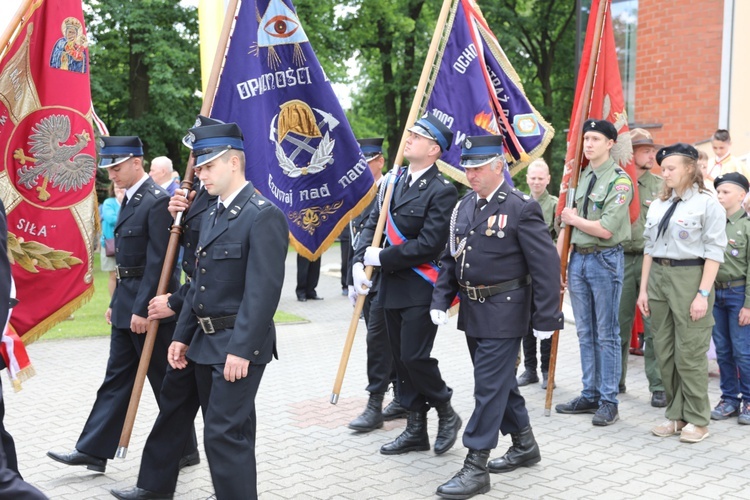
{"type": "Point", "coordinates": [476, 91]}
{"type": "Point", "coordinates": [301, 152]}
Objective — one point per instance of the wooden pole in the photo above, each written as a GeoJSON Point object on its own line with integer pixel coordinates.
{"type": "Point", "coordinates": [377, 237]}
{"type": "Point", "coordinates": [573, 184]}
{"type": "Point", "coordinates": [174, 241]}
{"type": "Point", "coordinates": [13, 26]}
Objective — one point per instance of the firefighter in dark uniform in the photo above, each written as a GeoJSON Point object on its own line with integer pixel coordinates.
{"type": "Point", "coordinates": [163, 454]}
{"type": "Point", "coordinates": [417, 232]}
{"type": "Point", "coordinates": [501, 262]}
{"type": "Point", "coordinates": [141, 238]}
{"type": "Point", "coordinates": [381, 370]}
{"type": "Point", "coordinates": [226, 323]}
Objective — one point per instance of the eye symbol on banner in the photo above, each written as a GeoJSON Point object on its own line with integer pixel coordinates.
{"type": "Point", "coordinates": [297, 127]}
{"type": "Point", "coordinates": [279, 25]}
{"type": "Point", "coordinates": [59, 164]}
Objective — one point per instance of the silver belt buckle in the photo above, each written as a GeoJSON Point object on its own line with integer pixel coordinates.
{"type": "Point", "coordinates": [207, 325]}
{"type": "Point", "coordinates": [117, 272]}
{"type": "Point", "coordinates": [471, 292]}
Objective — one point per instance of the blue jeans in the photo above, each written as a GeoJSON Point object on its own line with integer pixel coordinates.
{"type": "Point", "coordinates": [595, 284]}
{"type": "Point", "coordinates": [732, 344]}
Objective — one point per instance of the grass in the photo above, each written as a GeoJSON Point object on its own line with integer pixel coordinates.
{"type": "Point", "coordinates": [89, 319]}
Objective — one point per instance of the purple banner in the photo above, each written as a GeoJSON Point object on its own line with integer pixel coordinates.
{"type": "Point", "coordinates": [301, 152]}
{"type": "Point", "coordinates": [476, 87]}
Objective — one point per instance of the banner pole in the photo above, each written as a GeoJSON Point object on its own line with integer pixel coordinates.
{"type": "Point", "coordinates": [377, 237]}
{"type": "Point", "coordinates": [583, 111]}
{"type": "Point", "coordinates": [174, 240]}
{"type": "Point", "coordinates": [12, 27]}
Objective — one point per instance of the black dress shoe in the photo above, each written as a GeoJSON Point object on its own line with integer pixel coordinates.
{"type": "Point", "coordinates": [301, 299]}
{"type": "Point", "coordinates": [190, 459]}
{"type": "Point", "coordinates": [659, 399]}
{"type": "Point", "coordinates": [314, 297]}
{"type": "Point", "coordinates": [76, 457]}
{"type": "Point", "coordinates": [137, 493]}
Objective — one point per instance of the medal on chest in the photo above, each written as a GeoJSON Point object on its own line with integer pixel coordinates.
{"type": "Point", "coordinates": [501, 223]}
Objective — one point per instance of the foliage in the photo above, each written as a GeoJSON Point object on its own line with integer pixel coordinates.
{"type": "Point", "coordinates": [145, 71]}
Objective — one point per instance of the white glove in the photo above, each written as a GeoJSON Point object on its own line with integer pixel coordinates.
{"type": "Point", "coordinates": [543, 335]}
{"type": "Point", "coordinates": [361, 284]}
{"type": "Point", "coordinates": [439, 317]}
{"type": "Point", "coordinates": [372, 256]}
{"type": "Point", "coordinates": [352, 295]}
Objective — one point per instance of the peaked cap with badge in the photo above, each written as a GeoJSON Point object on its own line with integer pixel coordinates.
{"type": "Point", "coordinates": [117, 149]}
{"type": "Point", "coordinates": [479, 150]}
{"type": "Point", "coordinates": [212, 141]}
{"type": "Point", "coordinates": [200, 121]}
{"type": "Point", "coordinates": [431, 127]}
{"type": "Point", "coordinates": [371, 147]}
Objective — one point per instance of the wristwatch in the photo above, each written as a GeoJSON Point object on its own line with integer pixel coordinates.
{"type": "Point", "coordinates": [704, 293]}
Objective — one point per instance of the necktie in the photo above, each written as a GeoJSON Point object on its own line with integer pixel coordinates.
{"type": "Point", "coordinates": [664, 222]}
{"type": "Point", "coordinates": [406, 185]}
{"type": "Point", "coordinates": [481, 202]}
{"type": "Point", "coordinates": [124, 201]}
{"type": "Point", "coordinates": [219, 211]}
{"type": "Point", "coordinates": [588, 192]}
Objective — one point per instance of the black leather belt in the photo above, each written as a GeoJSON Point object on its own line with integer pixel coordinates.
{"type": "Point", "coordinates": [129, 272]}
{"type": "Point", "coordinates": [482, 292]}
{"type": "Point", "coordinates": [590, 250]}
{"type": "Point", "coordinates": [729, 284]}
{"type": "Point", "coordinates": [679, 263]}
{"type": "Point", "coordinates": [213, 325]}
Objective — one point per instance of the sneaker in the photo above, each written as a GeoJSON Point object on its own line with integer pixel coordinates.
{"type": "Point", "coordinates": [527, 377]}
{"type": "Point", "coordinates": [607, 414]}
{"type": "Point", "coordinates": [659, 399]}
{"type": "Point", "coordinates": [578, 405]}
{"type": "Point", "coordinates": [668, 428]}
{"type": "Point", "coordinates": [744, 413]}
{"type": "Point", "coordinates": [693, 433]}
{"type": "Point", "coordinates": [724, 410]}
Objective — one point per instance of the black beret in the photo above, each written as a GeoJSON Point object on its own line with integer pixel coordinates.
{"type": "Point", "coordinates": [733, 178]}
{"type": "Point", "coordinates": [602, 126]}
{"type": "Point", "coordinates": [371, 147]}
{"type": "Point", "coordinates": [680, 149]}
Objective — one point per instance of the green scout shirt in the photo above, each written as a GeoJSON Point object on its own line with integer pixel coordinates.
{"type": "Point", "coordinates": [649, 186]}
{"type": "Point", "coordinates": [549, 205]}
{"type": "Point", "coordinates": [736, 264]}
{"type": "Point", "coordinates": [608, 203]}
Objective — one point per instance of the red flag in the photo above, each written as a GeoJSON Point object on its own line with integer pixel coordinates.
{"type": "Point", "coordinates": [607, 103]}
{"type": "Point", "coordinates": [48, 165]}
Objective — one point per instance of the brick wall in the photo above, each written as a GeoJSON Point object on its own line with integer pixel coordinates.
{"type": "Point", "coordinates": [678, 68]}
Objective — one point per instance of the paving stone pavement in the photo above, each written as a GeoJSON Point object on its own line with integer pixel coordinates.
{"type": "Point", "coordinates": [305, 450]}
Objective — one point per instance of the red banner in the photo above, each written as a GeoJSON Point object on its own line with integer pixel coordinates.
{"type": "Point", "coordinates": [607, 103]}
{"type": "Point", "coordinates": [48, 165]}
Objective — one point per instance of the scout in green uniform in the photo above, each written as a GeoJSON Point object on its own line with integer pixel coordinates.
{"type": "Point", "coordinates": [599, 222]}
{"type": "Point", "coordinates": [731, 332]}
{"type": "Point", "coordinates": [538, 178]}
{"type": "Point", "coordinates": [684, 246]}
{"type": "Point", "coordinates": [649, 185]}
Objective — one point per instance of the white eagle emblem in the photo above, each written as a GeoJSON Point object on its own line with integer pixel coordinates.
{"type": "Point", "coordinates": [60, 164]}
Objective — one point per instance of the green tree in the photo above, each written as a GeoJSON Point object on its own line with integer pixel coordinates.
{"type": "Point", "coordinates": [145, 71]}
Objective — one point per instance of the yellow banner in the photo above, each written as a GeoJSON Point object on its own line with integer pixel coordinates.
{"type": "Point", "coordinates": [210, 20]}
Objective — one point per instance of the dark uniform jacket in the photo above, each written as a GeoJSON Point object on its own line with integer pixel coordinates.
{"type": "Point", "coordinates": [422, 215]}
{"type": "Point", "coordinates": [190, 234]}
{"type": "Point", "coordinates": [357, 225]}
{"type": "Point", "coordinates": [141, 238]}
{"type": "Point", "coordinates": [524, 249]}
{"type": "Point", "coordinates": [239, 271]}
{"type": "Point", "coordinates": [4, 273]}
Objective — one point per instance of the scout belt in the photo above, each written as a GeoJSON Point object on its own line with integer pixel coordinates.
{"type": "Point", "coordinates": [678, 263]}
{"type": "Point", "coordinates": [129, 272]}
{"type": "Point", "coordinates": [482, 292]}
{"type": "Point", "coordinates": [213, 325]}
{"type": "Point", "coordinates": [589, 250]}
{"type": "Point", "coordinates": [729, 284]}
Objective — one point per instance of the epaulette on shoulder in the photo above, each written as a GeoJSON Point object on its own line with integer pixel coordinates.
{"type": "Point", "coordinates": [520, 194]}
{"type": "Point", "coordinates": [260, 201]}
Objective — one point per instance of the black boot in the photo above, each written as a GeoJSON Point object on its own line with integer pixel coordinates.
{"type": "Point", "coordinates": [448, 427]}
{"type": "Point", "coordinates": [394, 409]}
{"type": "Point", "coordinates": [371, 418]}
{"type": "Point", "coordinates": [414, 437]}
{"type": "Point", "coordinates": [471, 480]}
{"type": "Point", "coordinates": [523, 453]}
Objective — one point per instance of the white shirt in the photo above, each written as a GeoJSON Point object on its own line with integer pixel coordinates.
{"type": "Point", "coordinates": [231, 197]}
{"type": "Point", "coordinates": [130, 192]}
{"type": "Point", "coordinates": [492, 194]}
